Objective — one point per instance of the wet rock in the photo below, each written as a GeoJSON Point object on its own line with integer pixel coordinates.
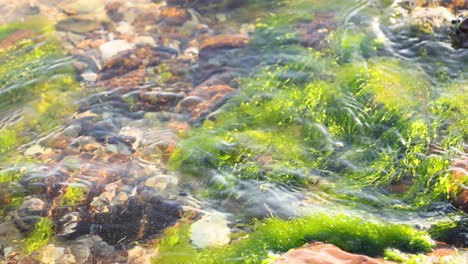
{"type": "Point", "coordinates": [175, 16]}
{"type": "Point", "coordinates": [32, 206]}
{"type": "Point", "coordinates": [214, 43]}
{"type": "Point", "coordinates": [145, 41]}
{"type": "Point", "coordinates": [52, 254]}
{"type": "Point", "coordinates": [160, 101]}
{"type": "Point", "coordinates": [9, 233]}
{"type": "Point", "coordinates": [460, 34]}
{"type": "Point", "coordinates": [204, 100]}
{"type": "Point", "coordinates": [431, 20]}
{"type": "Point", "coordinates": [135, 220]}
{"type": "Point", "coordinates": [140, 255]}
{"type": "Point", "coordinates": [78, 25]}
{"type": "Point", "coordinates": [314, 33]}
{"type": "Point", "coordinates": [113, 47]}
{"type": "Point", "coordinates": [81, 7]}
{"type": "Point", "coordinates": [319, 253]}
{"type": "Point", "coordinates": [459, 191]}
{"type": "Point", "coordinates": [36, 150]}
{"type": "Point", "coordinates": [161, 182]}
{"type": "Point", "coordinates": [210, 231]}
{"type": "Point", "coordinates": [13, 38]}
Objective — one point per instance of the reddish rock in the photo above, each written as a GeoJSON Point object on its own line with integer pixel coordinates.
{"type": "Point", "coordinates": [223, 42]}
{"type": "Point", "coordinates": [203, 100]}
{"type": "Point", "coordinates": [15, 37]}
{"type": "Point", "coordinates": [459, 192]}
{"type": "Point", "coordinates": [175, 16]}
{"type": "Point", "coordinates": [318, 253]}
{"type": "Point", "coordinates": [314, 33]}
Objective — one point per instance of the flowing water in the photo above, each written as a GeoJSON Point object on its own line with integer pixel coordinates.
{"type": "Point", "coordinates": [232, 131]}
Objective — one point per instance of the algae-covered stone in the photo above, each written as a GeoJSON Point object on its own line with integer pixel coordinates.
{"type": "Point", "coordinates": [209, 231]}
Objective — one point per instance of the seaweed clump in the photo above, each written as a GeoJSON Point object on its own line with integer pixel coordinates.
{"type": "Point", "coordinates": [273, 235]}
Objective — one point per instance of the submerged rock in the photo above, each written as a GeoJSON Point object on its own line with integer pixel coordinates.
{"type": "Point", "coordinates": [214, 43]}
{"type": "Point", "coordinates": [175, 16]}
{"type": "Point", "coordinates": [319, 253]}
{"type": "Point", "coordinates": [459, 191]}
{"type": "Point", "coordinates": [211, 230]}
{"type": "Point", "coordinates": [460, 34]}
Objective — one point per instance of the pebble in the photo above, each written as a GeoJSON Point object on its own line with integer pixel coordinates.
{"type": "Point", "coordinates": [175, 15]}
{"type": "Point", "coordinates": [113, 47]}
{"type": "Point", "coordinates": [210, 231]}
{"type": "Point", "coordinates": [161, 182]}
{"type": "Point", "coordinates": [89, 76]}
{"type": "Point", "coordinates": [36, 149]}
{"type": "Point", "coordinates": [145, 41]}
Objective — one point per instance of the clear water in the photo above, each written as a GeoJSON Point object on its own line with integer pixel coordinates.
{"type": "Point", "coordinates": [348, 107]}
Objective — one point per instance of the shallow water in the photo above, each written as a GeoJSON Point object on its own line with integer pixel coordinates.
{"type": "Point", "coordinates": [122, 125]}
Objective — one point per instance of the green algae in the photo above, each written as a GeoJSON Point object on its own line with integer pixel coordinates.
{"type": "Point", "coordinates": [353, 234]}
{"type": "Point", "coordinates": [73, 195]}
{"type": "Point", "coordinates": [37, 84]}
{"type": "Point", "coordinates": [404, 258]}
{"type": "Point", "coordinates": [367, 120]}
{"type": "Point", "coordinates": [40, 236]}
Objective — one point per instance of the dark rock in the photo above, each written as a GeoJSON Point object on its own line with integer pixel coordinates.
{"type": "Point", "coordinates": [459, 34]}
{"type": "Point", "coordinates": [126, 223]}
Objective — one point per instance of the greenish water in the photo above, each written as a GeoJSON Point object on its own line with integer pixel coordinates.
{"type": "Point", "coordinates": [344, 125]}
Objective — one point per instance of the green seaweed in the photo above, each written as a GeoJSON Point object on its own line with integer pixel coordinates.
{"type": "Point", "coordinates": [404, 258]}
{"type": "Point", "coordinates": [37, 84]}
{"type": "Point", "coordinates": [353, 234]}
{"type": "Point", "coordinates": [73, 195]}
{"type": "Point", "coordinates": [40, 236]}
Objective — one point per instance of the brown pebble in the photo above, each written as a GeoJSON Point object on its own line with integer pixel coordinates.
{"type": "Point", "coordinates": [175, 16]}
{"type": "Point", "coordinates": [224, 42]}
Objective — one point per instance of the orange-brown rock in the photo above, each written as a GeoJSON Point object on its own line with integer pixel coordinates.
{"type": "Point", "coordinates": [16, 36]}
{"type": "Point", "coordinates": [314, 34]}
{"type": "Point", "coordinates": [175, 16]}
{"type": "Point", "coordinates": [459, 192]}
{"type": "Point", "coordinates": [223, 42]}
{"type": "Point", "coordinates": [203, 100]}
{"type": "Point", "coordinates": [318, 253]}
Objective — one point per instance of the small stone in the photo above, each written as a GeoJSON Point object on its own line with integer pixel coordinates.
{"type": "Point", "coordinates": [36, 149]}
{"type": "Point", "coordinates": [125, 28]}
{"type": "Point", "coordinates": [139, 255]}
{"type": "Point", "coordinates": [111, 48]}
{"type": "Point", "coordinates": [33, 205]}
{"type": "Point", "coordinates": [145, 41]}
{"type": "Point", "coordinates": [161, 182]}
{"type": "Point", "coordinates": [134, 133]}
{"type": "Point", "coordinates": [211, 230]}
{"type": "Point", "coordinates": [89, 76]}
{"type": "Point", "coordinates": [175, 16]}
